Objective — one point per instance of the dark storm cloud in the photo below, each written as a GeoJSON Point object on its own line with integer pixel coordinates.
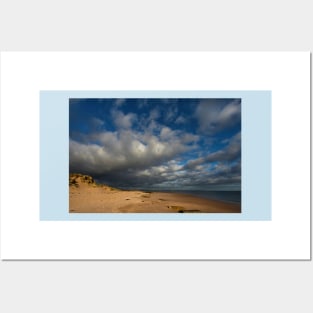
{"type": "Point", "coordinates": [172, 175]}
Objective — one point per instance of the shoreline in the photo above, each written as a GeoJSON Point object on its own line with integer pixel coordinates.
{"type": "Point", "coordinates": [202, 196]}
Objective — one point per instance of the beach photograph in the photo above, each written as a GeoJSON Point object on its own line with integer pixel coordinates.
{"type": "Point", "coordinates": [154, 155]}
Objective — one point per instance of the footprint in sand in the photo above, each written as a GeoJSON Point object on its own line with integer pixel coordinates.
{"type": "Point", "coordinates": [146, 196]}
{"type": "Point", "coordinates": [177, 208]}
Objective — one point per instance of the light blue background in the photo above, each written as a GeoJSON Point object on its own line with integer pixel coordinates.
{"type": "Point", "coordinates": [256, 155]}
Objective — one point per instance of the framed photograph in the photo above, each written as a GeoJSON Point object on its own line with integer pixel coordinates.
{"type": "Point", "coordinates": [155, 155]}
{"type": "Point", "coordinates": [150, 153]}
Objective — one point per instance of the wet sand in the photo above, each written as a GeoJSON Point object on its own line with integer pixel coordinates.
{"type": "Point", "coordinates": [103, 199]}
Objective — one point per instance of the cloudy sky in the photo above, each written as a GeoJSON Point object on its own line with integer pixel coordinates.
{"type": "Point", "coordinates": [157, 143]}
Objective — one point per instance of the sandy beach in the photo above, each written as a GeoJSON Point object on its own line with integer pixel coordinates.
{"type": "Point", "coordinates": [85, 196]}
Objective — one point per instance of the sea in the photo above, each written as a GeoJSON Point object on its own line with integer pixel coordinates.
{"type": "Point", "coordinates": [226, 196]}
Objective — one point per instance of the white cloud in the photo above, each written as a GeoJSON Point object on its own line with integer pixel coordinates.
{"type": "Point", "coordinates": [180, 120]}
{"type": "Point", "coordinates": [166, 133]}
{"type": "Point", "coordinates": [171, 114]}
{"type": "Point", "coordinates": [119, 102]}
{"type": "Point", "coordinates": [125, 149]}
{"type": "Point", "coordinates": [96, 122]}
{"type": "Point", "coordinates": [154, 114]}
{"type": "Point", "coordinates": [122, 120]}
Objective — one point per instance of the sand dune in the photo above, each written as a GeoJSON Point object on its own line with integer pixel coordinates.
{"type": "Point", "coordinates": [85, 196]}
